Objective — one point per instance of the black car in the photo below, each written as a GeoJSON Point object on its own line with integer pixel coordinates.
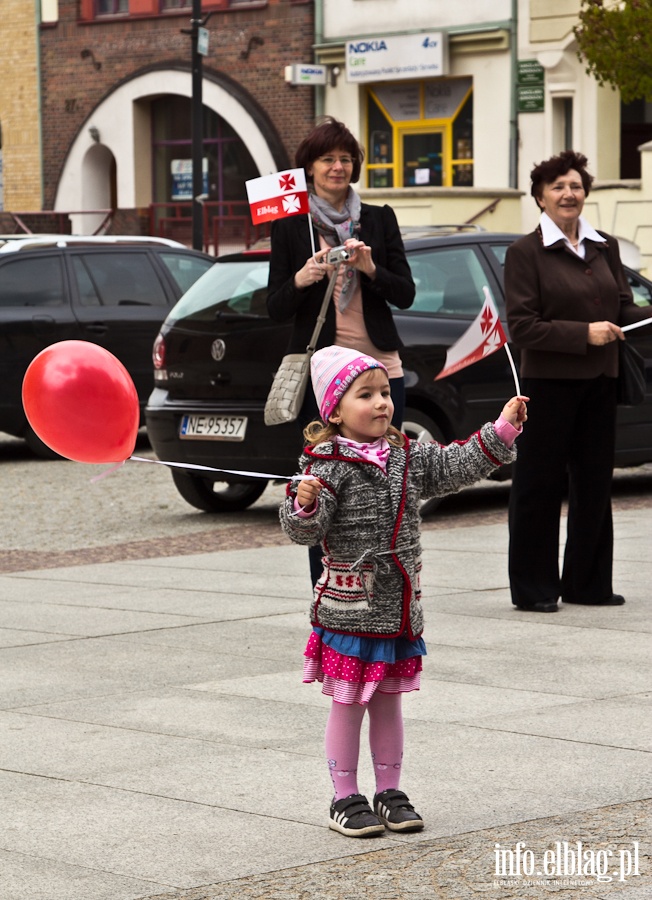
{"type": "Point", "coordinates": [113, 291]}
{"type": "Point", "coordinates": [217, 352]}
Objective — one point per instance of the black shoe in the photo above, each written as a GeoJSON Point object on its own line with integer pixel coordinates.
{"type": "Point", "coordinates": [613, 600]}
{"type": "Point", "coordinates": [396, 811]}
{"type": "Point", "coordinates": [540, 606]}
{"type": "Point", "coordinates": [354, 817]}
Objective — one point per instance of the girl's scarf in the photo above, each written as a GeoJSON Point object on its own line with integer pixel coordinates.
{"type": "Point", "coordinates": [336, 227]}
{"type": "Point", "coordinates": [372, 451]}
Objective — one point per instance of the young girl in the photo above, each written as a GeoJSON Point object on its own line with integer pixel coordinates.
{"type": "Point", "coordinates": [359, 497]}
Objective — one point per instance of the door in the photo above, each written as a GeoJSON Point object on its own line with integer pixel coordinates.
{"type": "Point", "coordinates": [34, 312]}
{"type": "Point", "coordinates": [120, 302]}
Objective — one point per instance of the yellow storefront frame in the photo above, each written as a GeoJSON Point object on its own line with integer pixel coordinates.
{"type": "Point", "coordinates": [422, 126]}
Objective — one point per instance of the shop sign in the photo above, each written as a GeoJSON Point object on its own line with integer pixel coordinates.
{"type": "Point", "coordinates": [530, 98]}
{"type": "Point", "coordinates": [306, 73]}
{"type": "Point", "coordinates": [530, 94]}
{"type": "Point", "coordinates": [181, 170]}
{"type": "Point", "coordinates": [392, 57]}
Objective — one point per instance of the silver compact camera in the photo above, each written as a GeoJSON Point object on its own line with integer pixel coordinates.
{"type": "Point", "coordinates": [337, 255]}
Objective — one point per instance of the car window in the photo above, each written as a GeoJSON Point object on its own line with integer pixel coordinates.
{"type": "Point", "coordinates": [113, 279]}
{"type": "Point", "coordinates": [32, 282]}
{"type": "Point", "coordinates": [185, 269]}
{"type": "Point", "coordinates": [236, 287]}
{"type": "Point", "coordinates": [448, 281]}
{"type": "Point", "coordinates": [499, 251]}
{"type": "Point", "coordinates": [641, 289]}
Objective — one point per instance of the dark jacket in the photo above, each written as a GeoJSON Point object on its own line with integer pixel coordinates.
{"type": "Point", "coordinates": [368, 523]}
{"type": "Point", "coordinates": [393, 282]}
{"type": "Point", "coordinates": [552, 295]}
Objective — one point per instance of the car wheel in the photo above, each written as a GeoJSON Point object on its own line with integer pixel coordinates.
{"type": "Point", "coordinates": [37, 446]}
{"type": "Point", "coordinates": [421, 428]}
{"type": "Point", "coordinates": [217, 496]}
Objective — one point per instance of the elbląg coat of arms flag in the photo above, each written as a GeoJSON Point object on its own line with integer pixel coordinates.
{"type": "Point", "coordinates": [277, 196]}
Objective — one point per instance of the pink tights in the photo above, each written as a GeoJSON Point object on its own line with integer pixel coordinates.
{"type": "Point", "coordinates": [385, 740]}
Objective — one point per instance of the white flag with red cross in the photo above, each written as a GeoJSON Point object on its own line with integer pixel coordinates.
{"type": "Point", "coordinates": [277, 196]}
{"type": "Point", "coordinates": [484, 336]}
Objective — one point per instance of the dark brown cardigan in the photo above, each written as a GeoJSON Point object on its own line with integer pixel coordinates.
{"type": "Point", "coordinates": [551, 297]}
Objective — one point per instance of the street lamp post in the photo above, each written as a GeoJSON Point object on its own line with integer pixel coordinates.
{"type": "Point", "coordinates": [197, 130]}
{"type": "Point", "coordinates": [197, 124]}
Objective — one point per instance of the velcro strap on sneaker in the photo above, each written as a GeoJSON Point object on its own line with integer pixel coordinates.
{"type": "Point", "coordinates": [393, 799]}
{"type": "Point", "coordinates": [356, 803]}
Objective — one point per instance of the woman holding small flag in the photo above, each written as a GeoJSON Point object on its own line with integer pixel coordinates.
{"type": "Point", "coordinates": [567, 297]}
{"type": "Point", "coordinates": [375, 275]}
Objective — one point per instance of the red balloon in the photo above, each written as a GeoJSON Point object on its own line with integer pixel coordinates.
{"type": "Point", "coordinates": [81, 401]}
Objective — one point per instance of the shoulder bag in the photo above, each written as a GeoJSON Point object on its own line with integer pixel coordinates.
{"type": "Point", "coordinates": [630, 388]}
{"type": "Point", "coordinates": [288, 389]}
{"type": "Point", "coordinates": [630, 384]}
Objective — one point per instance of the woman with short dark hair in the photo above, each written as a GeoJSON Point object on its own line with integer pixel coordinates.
{"type": "Point", "coordinates": [567, 297]}
{"type": "Point", "coordinates": [375, 277]}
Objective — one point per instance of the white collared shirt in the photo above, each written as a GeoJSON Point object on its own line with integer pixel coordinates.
{"type": "Point", "coordinates": [551, 233]}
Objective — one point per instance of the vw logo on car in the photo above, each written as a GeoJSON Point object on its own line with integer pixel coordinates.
{"type": "Point", "coordinates": [218, 349]}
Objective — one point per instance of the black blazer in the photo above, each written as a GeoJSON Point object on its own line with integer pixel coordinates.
{"type": "Point", "coordinates": [393, 283]}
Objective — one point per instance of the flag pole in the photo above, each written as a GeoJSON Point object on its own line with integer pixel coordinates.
{"type": "Point", "coordinates": [513, 367]}
{"type": "Point", "coordinates": [312, 235]}
{"type": "Point", "coordinates": [636, 325]}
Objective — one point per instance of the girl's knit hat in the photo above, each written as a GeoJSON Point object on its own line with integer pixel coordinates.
{"type": "Point", "coordinates": [333, 371]}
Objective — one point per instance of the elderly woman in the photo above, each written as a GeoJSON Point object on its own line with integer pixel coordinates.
{"type": "Point", "coordinates": [566, 296]}
{"type": "Point", "coordinates": [376, 274]}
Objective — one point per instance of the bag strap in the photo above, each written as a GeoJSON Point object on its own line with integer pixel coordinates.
{"type": "Point", "coordinates": [321, 318]}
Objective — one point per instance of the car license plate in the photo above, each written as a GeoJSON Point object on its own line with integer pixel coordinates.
{"type": "Point", "coordinates": [213, 428]}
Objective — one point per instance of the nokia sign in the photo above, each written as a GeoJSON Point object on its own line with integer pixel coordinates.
{"type": "Point", "coordinates": [392, 57]}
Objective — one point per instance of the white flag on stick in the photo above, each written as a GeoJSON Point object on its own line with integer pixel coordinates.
{"type": "Point", "coordinates": [484, 336]}
{"type": "Point", "coordinates": [277, 196]}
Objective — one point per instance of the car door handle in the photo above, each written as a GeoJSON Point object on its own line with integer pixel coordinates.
{"type": "Point", "coordinates": [96, 328]}
{"type": "Point", "coordinates": [43, 326]}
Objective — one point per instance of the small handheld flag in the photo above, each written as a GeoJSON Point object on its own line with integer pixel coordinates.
{"type": "Point", "coordinates": [277, 196]}
{"type": "Point", "coordinates": [483, 337]}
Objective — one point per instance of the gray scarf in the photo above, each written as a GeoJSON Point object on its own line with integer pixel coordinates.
{"type": "Point", "coordinates": [336, 227]}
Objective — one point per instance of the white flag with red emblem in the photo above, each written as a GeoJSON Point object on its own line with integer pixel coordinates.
{"type": "Point", "coordinates": [277, 196]}
{"type": "Point", "coordinates": [484, 336]}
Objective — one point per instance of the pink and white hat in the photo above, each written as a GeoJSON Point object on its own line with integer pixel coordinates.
{"type": "Point", "coordinates": [333, 370]}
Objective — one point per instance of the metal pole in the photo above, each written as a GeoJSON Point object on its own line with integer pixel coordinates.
{"type": "Point", "coordinates": [197, 130]}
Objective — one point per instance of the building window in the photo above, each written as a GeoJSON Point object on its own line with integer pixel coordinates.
{"type": "Point", "coordinates": [420, 133]}
{"type": "Point", "coordinates": [111, 7]}
{"type": "Point", "coordinates": [562, 123]}
{"type": "Point", "coordinates": [226, 161]}
{"type": "Point", "coordinates": [175, 4]}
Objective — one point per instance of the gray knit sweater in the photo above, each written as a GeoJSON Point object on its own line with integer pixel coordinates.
{"type": "Point", "coordinates": [368, 524]}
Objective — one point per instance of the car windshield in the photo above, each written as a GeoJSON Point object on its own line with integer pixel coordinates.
{"type": "Point", "coordinates": [237, 287]}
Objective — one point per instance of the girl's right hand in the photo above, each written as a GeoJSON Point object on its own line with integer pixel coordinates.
{"type": "Point", "coordinates": [312, 271]}
{"type": "Point", "coordinates": [515, 411]}
{"type": "Point", "coordinates": [308, 492]}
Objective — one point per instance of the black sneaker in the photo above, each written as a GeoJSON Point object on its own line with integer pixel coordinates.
{"type": "Point", "coordinates": [354, 817]}
{"type": "Point", "coordinates": [394, 809]}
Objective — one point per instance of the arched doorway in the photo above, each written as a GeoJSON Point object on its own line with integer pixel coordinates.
{"type": "Point", "coordinates": [99, 191]}
{"type": "Point", "coordinates": [125, 121]}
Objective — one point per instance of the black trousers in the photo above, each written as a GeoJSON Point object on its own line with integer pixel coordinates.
{"type": "Point", "coordinates": [309, 412]}
{"type": "Point", "coordinates": [569, 438]}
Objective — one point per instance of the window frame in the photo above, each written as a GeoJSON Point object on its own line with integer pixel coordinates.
{"type": "Point", "coordinates": [400, 128]}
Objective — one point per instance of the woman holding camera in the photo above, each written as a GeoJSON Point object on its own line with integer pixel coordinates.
{"type": "Point", "coordinates": [375, 275]}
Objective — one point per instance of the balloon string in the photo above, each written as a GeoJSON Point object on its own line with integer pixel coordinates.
{"type": "Point", "coordinates": [175, 465]}
{"type": "Point", "coordinates": [107, 472]}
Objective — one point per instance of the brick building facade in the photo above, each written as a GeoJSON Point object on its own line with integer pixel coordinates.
{"type": "Point", "coordinates": [101, 76]}
{"type": "Point", "coordinates": [19, 108]}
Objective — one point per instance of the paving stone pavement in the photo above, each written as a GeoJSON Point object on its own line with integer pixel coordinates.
{"type": "Point", "coordinates": [156, 742]}
{"type": "Point", "coordinates": [465, 867]}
